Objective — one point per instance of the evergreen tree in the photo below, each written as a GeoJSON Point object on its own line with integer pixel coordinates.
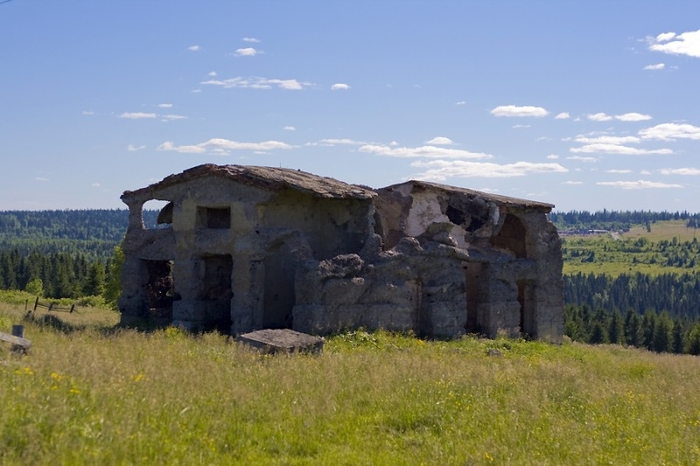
{"type": "Point", "coordinates": [677, 337]}
{"type": "Point", "coordinates": [616, 329]}
{"type": "Point", "coordinates": [662, 334]}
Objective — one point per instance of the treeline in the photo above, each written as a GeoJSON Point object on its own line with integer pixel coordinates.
{"type": "Point", "coordinates": [94, 233]}
{"type": "Point", "coordinates": [54, 275]}
{"type": "Point", "coordinates": [676, 294]}
{"type": "Point", "coordinates": [655, 332]}
{"type": "Point", "coordinates": [616, 220]}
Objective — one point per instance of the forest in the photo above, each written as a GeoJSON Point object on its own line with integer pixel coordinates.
{"type": "Point", "coordinates": [633, 291]}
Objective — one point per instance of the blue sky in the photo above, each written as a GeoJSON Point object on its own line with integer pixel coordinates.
{"type": "Point", "coordinates": [585, 105]}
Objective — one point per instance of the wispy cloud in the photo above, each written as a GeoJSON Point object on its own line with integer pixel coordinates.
{"type": "Point", "coordinates": [680, 171]}
{"type": "Point", "coordinates": [520, 126]}
{"type": "Point", "coordinates": [633, 117]}
{"type": "Point", "coordinates": [165, 105]}
{"type": "Point", "coordinates": [330, 142]}
{"type": "Point", "coordinates": [440, 170]}
{"type": "Point", "coordinates": [440, 141]}
{"type": "Point", "coordinates": [516, 111]}
{"type": "Point", "coordinates": [562, 116]}
{"type": "Point", "coordinates": [250, 39]}
{"type": "Point", "coordinates": [579, 158]}
{"type": "Point", "coordinates": [552, 157]}
{"type": "Point", "coordinates": [573, 183]}
{"type": "Point", "coordinates": [247, 52]}
{"type": "Point", "coordinates": [133, 148]}
{"type": "Point", "coordinates": [461, 102]}
{"type": "Point", "coordinates": [194, 48]}
{"type": "Point", "coordinates": [687, 43]}
{"type": "Point", "coordinates": [616, 149]}
{"type": "Point", "coordinates": [173, 117]}
{"type": "Point", "coordinates": [606, 139]}
{"type": "Point", "coordinates": [289, 128]}
{"type": "Point", "coordinates": [340, 87]}
{"type": "Point", "coordinates": [223, 146]}
{"type": "Point", "coordinates": [88, 112]}
{"type": "Point", "coordinates": [41, 178]}
{"type": "Point", "coordinates": [258, 83]}
{"type": "Point", "coordinates": [599, 117]}
{"type": "Point", "coordinates": [639, 184]}
{"type": "Point", "coordinates": [423, 151]}
{"type": "Point", "coordinates": [618, 171]}
{"type": "Point", "coordinates": [671, 132]}
{"type": "Point", "coordinates": [137, 115]}
{"type": "Point", "coordinates": [658, 66]}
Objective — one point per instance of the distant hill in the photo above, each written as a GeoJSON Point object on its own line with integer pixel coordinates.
{"type": "Point", "coordinates": [91, 232]}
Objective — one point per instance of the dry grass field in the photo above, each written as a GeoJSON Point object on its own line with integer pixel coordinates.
{"type": "Point", "coordinates": [100, 395]}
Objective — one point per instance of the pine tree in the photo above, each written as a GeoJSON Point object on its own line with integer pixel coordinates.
{"type": "Point", "coordinates": [616, 330]}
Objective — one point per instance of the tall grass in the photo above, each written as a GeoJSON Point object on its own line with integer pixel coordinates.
{"type": "Point", "coordinates": [97, 396]}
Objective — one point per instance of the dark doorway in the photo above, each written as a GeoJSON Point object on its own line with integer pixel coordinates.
{"type": "Point", "coordinates": [216, 289]}
{"type": "Point", "coordinates": [473, 275]}
{"type": "Point", "coordinates": [159, 289]}
{"type": "Point", "coordinates": [279, 298]}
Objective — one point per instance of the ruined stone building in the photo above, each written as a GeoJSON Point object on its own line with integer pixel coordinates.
{"type": "Point", "coordinates": [241, 248]}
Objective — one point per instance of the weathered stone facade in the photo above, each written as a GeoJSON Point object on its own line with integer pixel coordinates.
{"type": "Point", "coordinates": [247, 248]}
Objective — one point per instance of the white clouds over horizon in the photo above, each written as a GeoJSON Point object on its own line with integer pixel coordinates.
{"type": "Point", "coordinates": [687, 43]}
{"type": "Point", "coordinates": [340, 87]}
{"type": "Point", "coordinates": [603, 148]}
{"type": "Point", "coordinates": [440, 170]}
{"type": "Point", "coordinates": [639, 184]}
{"type": "Point", "coordinates": [562, 116]}
{"type": "Point", "coordinates": [223, 146]}
{"type": "Point", "coordinates": [258, 83]}
{"type": "Point", "coordinates": [516, 111]}
{"type": "Point", "coordinates": [423, 151]}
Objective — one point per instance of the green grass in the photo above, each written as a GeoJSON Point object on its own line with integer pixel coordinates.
{"type": "Point", "coordinates": [636, 251]}
{"type": "Point", "coordinates": [103, 396]}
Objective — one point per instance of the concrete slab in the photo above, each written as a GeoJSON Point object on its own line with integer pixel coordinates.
{"type": "Point", "coordinates": [271, 341]}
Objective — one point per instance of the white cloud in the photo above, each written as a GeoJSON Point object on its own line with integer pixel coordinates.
{"type": "Point", "coordinates": [671, 132]}
{"type": "Point", "coordinates": [222, 146]}
{"type": "Point", "coordinates": [137, 115]}
{"type": "Point", "coordinates": [133, 148]}
{"type": "Point", "coordinates": [562, 116]}
{"type": "Point", "coordinates": [639, 184]}
{"type": "Point", "coordinates": [440, 170]}
{"type": "Point", "coordinates": [680, 171]}
{"type": "Point", "coordinates": [194, 48]}
{"type": "Point", "coordinates": [607, 139]}
{"type": "Point", "coordinates": [599, 117]}
{"type": "Point", "coordinates": [552, 157]}
{"type": "Point", "coordinates": [165, 105]}
{"type": "Point", "coordinates": [602, 148]}
{"type": "Point", "coordinates": [95, 185]}
{"type": "Point", "coordinates": [440, 141]}
{"type": "Point", "coordinates": [88, 112]}
{"type": "Point", "coordinates": [423, 151]}
{"type": "Point", "coordinates": [645, 172]}
{"type": "Point", "coordinates": [580, 158]}
{"type": "Point", "coordinates": [196, 91]}
{"type": "Point", "coordinates": [515, 111]}
{"type": "Point", "coordinates": [461, 102]}
{"type": "Point", "coordinates": [632, 117]}
{"type": "Point", "coordinates": [687, 43]}
{"type": "Point", "coordinates": [247, 52]}
{"type": "Point", "coordinates": [173, 117]}
{"type": "Point", "coordinates": [340, 87]}
{"type": "Point", "coordinates": [330, 142]}
{"type": "Point", "coordinates": [257, 83]}
{"type": "Point", "coordinates": [573, 183]}
{"type": "Point", "coordinates": [658, 66]}
{"type": "Point", "coordinates": [520, 126]}
{"type": "Point", "coordinates": [41, 178]}
{"type": "Point", "coordinates": [615, 170]}
{"type": "Point", "coordinates": [212, 73]}
{"type": "Point", "coordinates": [289, 128]}
{"type": "Point", "coordinates": [250, 39]}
